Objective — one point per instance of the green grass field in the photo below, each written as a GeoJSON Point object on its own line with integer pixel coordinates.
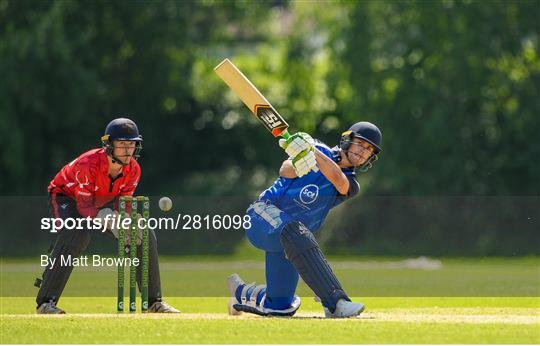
{"type": "Point", "coordinates": [459, 301]}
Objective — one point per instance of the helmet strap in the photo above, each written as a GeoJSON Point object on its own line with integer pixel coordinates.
{"type": "Point", "coordinates": [117, 160]}
{"type": "Point", "coordinates": [366, 165]}
{"type": "Point", "coordinates": [109, 149]}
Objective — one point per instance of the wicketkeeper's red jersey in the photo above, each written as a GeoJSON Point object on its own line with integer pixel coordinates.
{"type": "Point", "coordinates": [86, 179]}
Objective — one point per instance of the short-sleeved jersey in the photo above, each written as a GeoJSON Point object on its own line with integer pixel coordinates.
{"type": "Point", "coordinates": [86, 179]}
{"type": "Point", "coordinates": [308, 199]}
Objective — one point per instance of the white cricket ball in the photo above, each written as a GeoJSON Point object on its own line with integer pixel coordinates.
{"type": "Point", "coordinates": [165, 203]}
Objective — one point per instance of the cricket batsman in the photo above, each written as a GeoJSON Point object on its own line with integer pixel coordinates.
{"type": "Point", "coordinates": [315, 179]}
{"type": "Point", "coordinates": [90, 186]}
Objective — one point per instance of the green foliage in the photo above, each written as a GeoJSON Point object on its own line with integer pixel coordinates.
{"type": "Point", "coordinates": [74, 66]}
{"type": "Point", "coordinates": [455, 91]}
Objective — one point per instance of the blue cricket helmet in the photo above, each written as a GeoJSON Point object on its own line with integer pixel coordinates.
{"type": "Point", "coordinates": [367, 132]}
{"type": "Point", "coordinates": [363, 130]}
{"type": "Point", "coordinates": [122, 129]}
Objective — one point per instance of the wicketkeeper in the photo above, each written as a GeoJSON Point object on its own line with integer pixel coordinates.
{"type": "Point", "coordinates": [315, 179]}
{"type": "Point", "coordinates": [90, 186]}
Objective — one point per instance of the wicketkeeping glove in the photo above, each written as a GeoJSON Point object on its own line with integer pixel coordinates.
{"type": "Point", "coordinates": [112, 223]}
{"type": "Point", "coordinates": [297, 143]}
{"type": "Point", "coordinates": [305, 162]}
{"type": "Point", "coordinates": [108, 222]}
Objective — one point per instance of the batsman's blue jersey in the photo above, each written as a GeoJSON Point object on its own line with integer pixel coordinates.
{"type": "Point", "coordinates": [308, 199]}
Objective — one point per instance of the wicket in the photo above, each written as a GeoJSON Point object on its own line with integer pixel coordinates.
{"type": "Point", "coordinates": [129, 206]}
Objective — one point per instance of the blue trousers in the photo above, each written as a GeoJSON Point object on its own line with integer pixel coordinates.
{"type": "Point", "coordinates": [267, 222]}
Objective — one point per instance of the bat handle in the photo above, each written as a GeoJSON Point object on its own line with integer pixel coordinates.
{"type": "Point", "coordinates": [285, 134]}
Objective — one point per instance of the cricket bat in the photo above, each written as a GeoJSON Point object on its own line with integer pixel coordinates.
{"type": "Point", "coordinates": [252, 98]}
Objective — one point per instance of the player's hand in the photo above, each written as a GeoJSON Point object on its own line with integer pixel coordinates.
{"type": "Point", "coordinates": [297, 143]}
{"type": "Point", "coordinates": [104, 212]}
{"type": "Point", "coordinates": [305, 162]}
{"type": "Point", "coordinates": [111, 223]}
{"type": "Point", "coordinates": [109, 220]}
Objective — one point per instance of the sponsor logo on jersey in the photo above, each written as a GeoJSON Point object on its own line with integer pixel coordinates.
{"type": "Point", "coordinates": [81, 184]}
{"type": "Point", "coordinates": [309, 193]}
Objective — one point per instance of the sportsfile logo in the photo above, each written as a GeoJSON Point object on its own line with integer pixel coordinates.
{"type": "Point", "coordinates": [116, 222]}
{"type": "Point", "coordinates": [309, 193]}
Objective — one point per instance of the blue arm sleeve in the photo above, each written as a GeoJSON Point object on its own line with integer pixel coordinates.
{"type": "Point", "coordinates": [354, 188]}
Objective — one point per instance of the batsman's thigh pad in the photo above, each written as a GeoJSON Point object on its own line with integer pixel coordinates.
{"type": "Point", "coordinates": [274, 216]}
{"type": "Point", "coordinates": [264, 234]}
{"type": "Point", "coordinates": [303, 251]}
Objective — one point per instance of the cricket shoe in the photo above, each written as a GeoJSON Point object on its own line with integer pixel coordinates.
{"type": "Point", "coordinates": [233, 281]}
{"type": "Point", "coordinates": [344, 309]}
{"type": "Point", "coordinates": [162, 308]}
{"type": "Point", "coordinates": [49, 308]}
{"type": "Point", "coordinates": [249, 304]}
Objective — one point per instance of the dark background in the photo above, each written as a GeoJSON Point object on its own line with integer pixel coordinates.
{"type": "Point", "coordinates": [454, 86]}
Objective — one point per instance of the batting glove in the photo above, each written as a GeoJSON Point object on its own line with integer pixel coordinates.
{"type": "Point", "coordinates": [305, 162]}
{"type": "Point", "coordinates": [297, 143]}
